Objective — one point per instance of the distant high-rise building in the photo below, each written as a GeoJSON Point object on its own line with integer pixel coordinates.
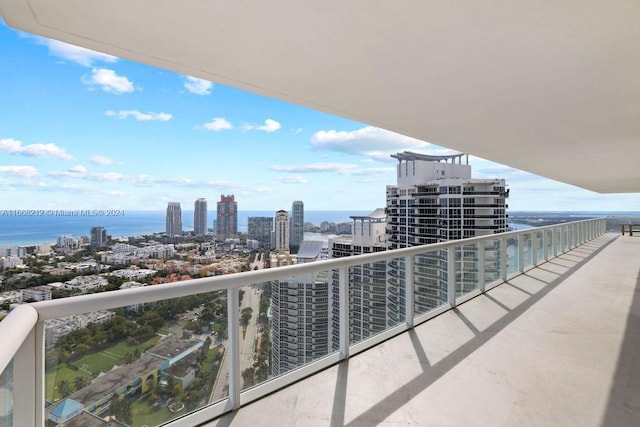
{"type": "Point", "coordinates": [436, 200]}
{"type": "Point", "coordinates": [297, 226]}
{"type": "Point", "coordinates": [367, 283]}
{"type": "Point", "coordinates": [282, 231]}
{"type": "Point", "coordinates": [227, 222]}
{"type": "Point", "coordinates": [200, 217]}
{"type": "Point", "coordinates": [174, 219]}
{"type": "Point", "coordinates": [98, 237]}
{"type": "Point", "coordinates": [300, 313]}
{"type": "Point", "coordinates": [260, 228]}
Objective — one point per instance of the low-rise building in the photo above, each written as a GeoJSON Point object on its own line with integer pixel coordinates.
{"type": "Point", "coordinates": [37, 293]}
{"type": "Point", "coordinates": [85, 284]}
{"type": "Point", "coordinates": [10, 262]}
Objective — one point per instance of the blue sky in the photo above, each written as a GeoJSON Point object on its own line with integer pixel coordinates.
{"type": "Point", "coordinates": [84, 130]}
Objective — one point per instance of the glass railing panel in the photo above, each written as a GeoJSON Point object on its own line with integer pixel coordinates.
{"type": "Point", "coordinates": [527, 259]}
{"type": "Point", "coordinates": [558, 241]}
{"type": "Point", "coordinates": [430, 280]}
{"type": "Point", "coordinates": [377, 299]}
{"type": "Point", "coordinates": [286, 324]}
{"type": "Point", "coordinates": [6, 397]}
{"type": "Point", "coordinates": [144, 364]}
{"type": "Point", "coordinates": [467, 269]}
{"type": "Point", "coordinates": [256, 313]}
{"type": "Point", "coordinates": [512, 255]}
{"type": "Point", "coordinates": [539, 236]}
{"type": "Point", "coordinates": [491, 260]}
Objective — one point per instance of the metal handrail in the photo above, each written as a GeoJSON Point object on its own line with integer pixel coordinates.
{"type": "Point", "coordinates": [14, 330]}
{"type": "Point", "coordinates": [29, 319]}
{"type": "Point", "coordinates": [119, 298]}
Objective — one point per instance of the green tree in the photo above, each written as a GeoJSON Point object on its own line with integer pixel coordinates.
{"type": "Point", "coordinates": [121, 409]}
{"type": "Point", "coordinates": [81, 382]}
{"type": "Point", "coordinates": [64, 388]}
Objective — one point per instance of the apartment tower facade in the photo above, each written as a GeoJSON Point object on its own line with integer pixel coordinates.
{"type": "Point", "coordinates": [200, 217]}
{"type": "Point", "coordinates": [368, 299]}
{"type": "Point", "coordinates": [300, 314]}
{"type": "Point", "coordinates": [282, 231]}
{"type": "Point", "coordinates": [436, 200]}
{"type": "Point", "coordinates": [98, 237]}
{"type": "Point", "coordinates": [227, 218]}
{"type": "Point", "coordinates": [174, 219]}
{"type": "Point", "coordinates": [297, 226]}
{"type": "Point", "coordinates": [260, 228]}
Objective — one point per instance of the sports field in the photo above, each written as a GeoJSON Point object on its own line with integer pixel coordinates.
{"type": "Point", "coordinates": [104, 360]}
{"type": "Point", "coordinates": [90, 365]}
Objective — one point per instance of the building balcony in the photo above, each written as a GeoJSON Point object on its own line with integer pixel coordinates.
{"type": "Point", "coordinates": [553, 346]}
{"type": "Point", "coordinates": [551, 342]}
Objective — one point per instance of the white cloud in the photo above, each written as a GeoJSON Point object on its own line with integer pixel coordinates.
{"type": "Point", "coordinates": [198, 86]}
{"type": "Point", "coordinates": [339, 168]}
{"type": "Point", "coordinates": [296, 179]}
{"type": "Point", "coordinates": [371, 171]}
{"type": "Point", "coordinates": [22, 171]}
{"type": "Point", "coordinates": [269, 125]}
{"type": "Point", "coordinates": [368, 141]}
{"type": "Point", "coordinates": [102, 160]}
{"type": "Point", "coordinates": [109, 81]}
{"type": "Point", "coordinates": [107, 176]}
{"type": "Point", "coordinates": [313, 167]}
{"type": "Point", "coordinates": [76, 54]}
{"type": "Point", "coordinates": [12, 146]}
{"type": "Point", "coordinates": [78, 169]}
{"type": "Point", "coordinates": [218, 124]}
{"type": "Point", "coordinates": [139, 116]}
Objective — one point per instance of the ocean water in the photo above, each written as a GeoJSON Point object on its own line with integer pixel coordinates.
{"type": "Point", "coordinates": [33, 227]}
{"type": "Point", "coordinates": [28, 228]}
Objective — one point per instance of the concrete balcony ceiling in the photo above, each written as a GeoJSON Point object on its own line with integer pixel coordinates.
{"type": "Point", "coordinates": [551, 88]}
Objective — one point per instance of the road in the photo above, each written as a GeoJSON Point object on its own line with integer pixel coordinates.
{"type": "Point", "coordinates": [250, 299]}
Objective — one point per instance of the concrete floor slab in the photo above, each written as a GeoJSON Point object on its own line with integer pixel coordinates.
{"type": "Point", "coordinates": [557, 346]}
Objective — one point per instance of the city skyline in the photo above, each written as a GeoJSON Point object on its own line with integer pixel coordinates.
{"type": "Point", "coordinates": [81, 129]}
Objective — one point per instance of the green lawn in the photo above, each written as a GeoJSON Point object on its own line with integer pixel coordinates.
{"type": "Point", "coordinates": [55, 377]}
{"type": "Point", "coordinates": [104, 360]}
{"type": "Point", "coordinates": [144, 413]}
{"type": "Point", "coordinates": [211, 355]}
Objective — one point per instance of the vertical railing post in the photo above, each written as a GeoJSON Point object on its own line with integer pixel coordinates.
{"type": "Point", "coordinates": [534, 248]}
{"type": "Point", "coordinates": [409, 301]}
{"type": "Point", "coordinates": [503, 258]}
{"type": "Point", "coordinates": [521, 253]}
{"type": "Point", "coordinates": [481, 278]}
{"type": "Point", "coordinates": [25, 404]}
{"type": "Point", "coordinates": [40, 370]}
{"type": "Point", "coordinates": [451, 276]}
{"type": "Point", "coordinates": [344, 312]}
{"type": "Point", "coordinates": [233, 346]}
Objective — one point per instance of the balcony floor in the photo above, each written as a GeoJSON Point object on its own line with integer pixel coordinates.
{"type": "Point", "coordinates": [559, 345]}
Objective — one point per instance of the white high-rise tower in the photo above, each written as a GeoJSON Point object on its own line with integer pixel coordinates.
{"type": "Point", "coordinates": [200, 217]}
{"type": "Point", "coordinates": [282, 231]}
{"type": "Point", "coordinates": [174, 219]}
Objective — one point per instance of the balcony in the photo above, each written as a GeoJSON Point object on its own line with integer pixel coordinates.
{"type": "Point", "coordinates": [519, 348]}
